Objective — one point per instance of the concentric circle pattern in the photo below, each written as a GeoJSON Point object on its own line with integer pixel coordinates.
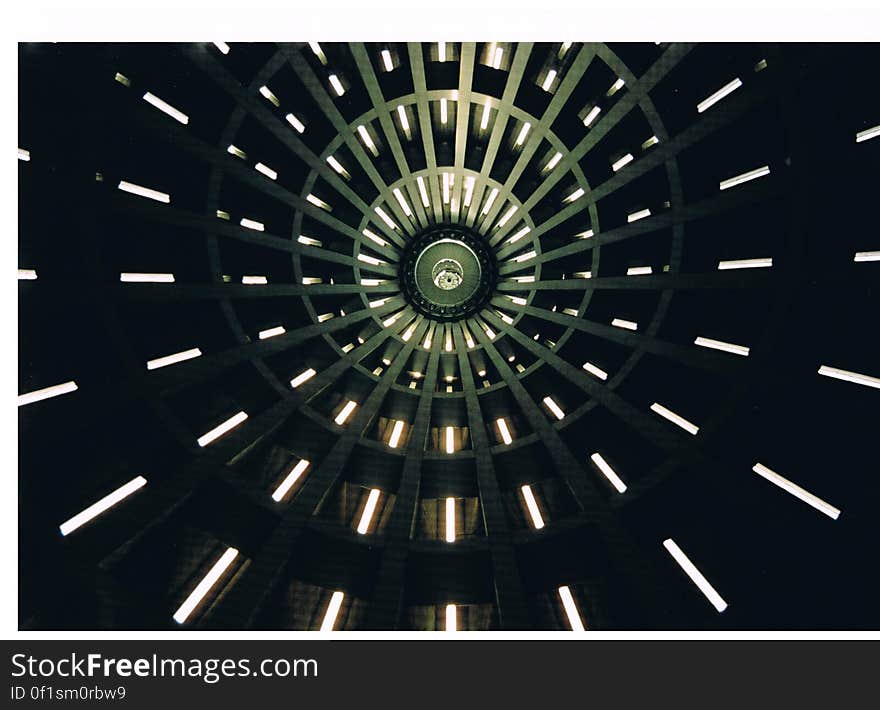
{"type": "Point", "coordinates": [448, 336]}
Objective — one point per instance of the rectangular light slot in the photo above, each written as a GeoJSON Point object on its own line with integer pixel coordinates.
{"type": "Point", "coordinates": [205, 586]}
{"type": "Point", "coordinates": [450, 520]}
{"type": "Point", "coordinates": [584, 235]}
{"type": "Point", "coordinates": [367, 139]}
{"type": "Point", "coordinates": [144, 192]}
{"type": "Point", "coordinates": [627, 324]}
{"type": "Point", "coordinates": [484, 118]}
{"type": "Point", "coordinates": [504, 431]}
{"type": "Point", "coordinates": [553, 162]}
{"type": "Point", "coordinates": [266, 170]}
{"type": "Point", "coordinates": [318, 202]}
{"type": "Point", "coordinates": [404, 205]}
{"type": "Point", "coordinates": [46, 393]}
{"type": "Point", "coordinates": [167, 108]}
{"type": "Point", "coordinates": [848, 376]}
{"type": "Point", "coordinates": [696, 576]}
{"type": "Point", "coordinates": [553, 407]}
{"type": "Point", "coordinates": [445, 188]}
{"type": "Point", "coordinates": [518, 300]}
{"type": "Point", "coordinates": [507, 215]}
{"type": "Point", "coordinates": [345, 412]}
{"type": "Point", "coordinates": [390, 319]}
{"type": "Point", "coordinates": [745, 177]}
{"type": "Point", "coordinates": [385, 218]}
{"type": "Point", "coordinates": [369, 509]}
{"type": "Point", "coordinates": [332, 611]}
{"type": "Point", "coordinates": [523, 132]}
{"type": "Point", "coordinates": [574, 195]}
{"type": "Point", "coordinates": [641, 214]}
{"type": "Point", "coordinates": [254, 280]}
{"type": "Point", "coordinates": [308, 241]}
{"type": "Point", "coordinates": [526, 256]}
{"type": "Point", "coordinates": [336, 84]}
{"type": "Point", "coordinates": [311, 280]}
{"type": "Point", "coordinates": [222, 46]}
{"type": "Point", "coordinates": [496, 57]}
{"type": "Point", "coordinates": [379, 302]}
{"type": "Point", "coordinates": [548, 80]}
{"type": "Point", "coordinates": [591, 115]}
{"type": "Point", "coordinates": [24, 155]}
{"type": "Point", "coordinates": [490, 200]}
{"type": "Point", "coordinates": [375, 238]}
{"type": "Point", "coordinates": [582, 274]}
{"type": "Point", "coordinates": [451, 618]}
{"type": "Point", "coordinates": [638, 271]}
{"type": "Point", "coordinates": [107, 502]}
{"type": "Point", "coordinates": [450, 440]}
{"type": "Point", "coordinates": [725, 90]}
{"type": "Point", "coordinates": [367, 259]}
{"type": "Point", "coordinates": [861, 256]}
{"type": "Point", "coordinates": [441, 51]}
{"type": "Point", "coordinates": [291, 478]}
{"type": "Point", "coordinates": [404, 121]}
{"type": "Point", "coordinates": [173, 359]}
{"type": "Point", "coordinates": [132, 277]}
{"type": "Point", "coordinates": [653, 140]}
{"type": "Point", "coordinates": [571, 611]}
{"type": "Point", "coordinates": [237, 152]}
{"type": "Point", "coordinates": [532, 507]}
{"type": "Point", "coordinates": [596, 371]}
{"type": "Point", "coordinates": [348, 347]}
{"type": "Point", "coordinates": [396, 431]}
{"type": "Point", "coordinates": [795, 490]}
{"type": "Point", "coordinates": [469, 183]}
{"type": "Point", "coordinates": [269, 96]}
{"type": "Point", "coordinates": [295, 122]}
{"type": "Point", "coordinates": [570, 311]}
{"type": "Point", "coordinates": [222, 429]}
{"type": "Point", "coordinates": [444, 115]}
{"type": "Point", "coordinates": [271, 332]}
{"type": "Point", "coordinates": [625, 160]}
{"type": "Point", "coordinates": [721, 345]}
{"type": "Point", "coordinates": [615, 87]}
{"type": "Point", "coordinates": [427, 344]}
{"type": "Point", "coordinates": [867, 134]}
{"type": "Point", "coordinates": [221, 214]}
{"type": "Point", "coordinates": [122, 79]}
{"type": "Point", "coordinates": [302, 377]}
{"type": "Point", "coordinates": [27, 275]}
{"type": "Point", "coordinates": [252, 224]}
{"type": "Point", "coordinates": [318, 52]}
{"type": "Point", "coordinates": [676, 419]}
{"type": "Point", "coordinates": [608, 472]}
{"type": "Point", "coordinates": [519, 235]}
{"type": "Point", "coordinates": [762, 263]}
{"type": "Point", "coordinates": [423, 191]}
{"type": "Point", "coordinates": [324, 317]}
{"type": "Point", "coordinates": [387, 60]}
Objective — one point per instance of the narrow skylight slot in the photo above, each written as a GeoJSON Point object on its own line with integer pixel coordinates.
{"type": "Point", "coordinates": [237, 152]}
{"type": "Point", "coordinates": [608, 472]}
{"type": "Point", "coordinates": [591, 115]}
{"type": "Point", "coordinates": [507, 215]}
{"type": "Point", "coordinates": [404, 205]}
{"type": "Point", "coordinates": [367, 139]}
{"type": "Point", "coordinates": [387, 60]}
{"type": "Point", "coordinates": [269, 96]}
{"type": "Point", "coordinates": [525, 256]}
{"type": "Point", "coordinates": [309, 241]}
{"type": "Point", "coordinates": [490, 200]}
{"type": "Point", "coordinates": [523, 132]}
{"type": "Point", "coordinates": [450, 520]}
{"type": "Point", "coordinates": [588, 234]}
{"type": "Point", "coordinates": [574, 195]}
{"type": "Point", "coordinates": [122, 79]}
{"type": "Point", "coordinates": [24, 155]}
{"type": "Point", "coordinates": [627, 324]}
{"type": "Point", "coordinates": [173, 359]}
{"type": "Point", "coordinates": [553, 407]}
{"type": "Point", "coordinates": [861, 256]}
{"type": "Point", "coordinates": [849, 376]}
{"type": "Point", "coordinates": [518, 300]}
{"type": "Point", "coordinates": [524, 279]}
{"type": "Point", "coordinates": [441, 51]}
{"type": "Point", "coordinates": [696, 576]}
{"type": "Point", "coordinates": [484, 118]}
{"type": "Point", "coordinates": [596, 371]}
{"type": "Point", "coordinates": [423, 191]}
{"type": "Point", "coordinates": [221, 214]}
{"type": "Point", "coordinates": [167, 108]}
{"type": "Point", "coordinates": [503, 316]}
{"type": "Point", "coordinates": [391, 319]}
{"type": "Point", "coordinates": [318, 52]}
{"type": "Point", "coordinates": [385, 218]}
{"type": "Point", "coordinates": [266, 170]}
{"type": "Point", "coordinates": [396, 431]}
{"type": "Point", "coordinates": [496, 57]}
{"type": "Point", "coordinates": [745, 177]}
{"type": "Point", "coordinates": [27, 275]}
{"type": "Point", "coordinates": [133, 277]}
{"type": "Point", "coordinates": [553, 161]}
{"type": "Point", "coordinates": [318, 202]}
{"type": "Point", "coordinates": [302, 377]}
{"type": "Point", "coordinates": [348, 347]}
{"type": "Point", "coordinates": [615, 87]}
{"type": "Point", "coordinates": [252, 224]}
{"type": "Point", "coordinates": [504, 431]}
{"type": "Point", "coordinates": [295, 122]}
{"type": "Point", "coordinates": [337, 85]}
{"type": "Point", "coordinates": [372, 282]}
{"type": "Point", "coordinates": [222, 46]}
{"type": "Point", "coordinates": [795, 490]}
{"type": "Point", "coordinates": [641, 214]}
{"type": "Point", "coordinates": [444, 115]}
{"type": "Point", "coordinates": [427, 344]}
{"type": "Point", "coordinates": [450, 440]}
{"type": "Point", "coordinates": [676, 419]}
{"type": "Point", "coordinates": [867, 134]}
{"type": "Point", "coordinates": [144, 192]}
{"type": "Point", "coordinates": [205, 586]}
{"type": "Point", "coordinates": [548, 80]}
{"type": "Point", "coordinates": [445, 188]}
{"type": "Point", "coordinates": [721, 345]}
{"type": "Point", "coordinates": [725, 90]}
{"type": "Point", "coordinates": [653, 140]}
{"type": "Point", "coordinates": [374, 238]}
{"type": "Point", "coordinates": [379, 302]}
{"type": "Point", "coordinates": [369, 509]}
{"type": "Point", "coordinates": [571, 611]}
{"type": "Point", "coordinates": [532, 507]}
{"type": "Point", "coordinates": [519, 235]}
{"type": "Point", "coordinates": [451, 619]}
{"type": "Point", "coordinates": [469, 183]}
{"type": "Point", "coordinates": [345, 412]}
{"type": "Point", "coordinates": [254, 280]}
{"type": "Point", "coordinates": [404, 122]}
{"type": "Point", "coordinates": [46, 393]}
{"type": "Point", "coordinates": [289, 480]}
{"type": "Point", "coordinates": [221, 429]}
{"type": "Point", "coordinates": [332, 611]}
{"type": "Point", "coordinates": [638, 271]}
{"type": "Point", "coordinates": [763, 263]}
{"type": "Point", "coordinates": [324, 317]}
{"type": "Point", "coordinates": [271, 332]}
{"type": "Point", "coordinates": [625, 160]}
{"type": "Point", "coordinates": [107, 502]}
{"type": "Point", "coordinates": [309, 280]}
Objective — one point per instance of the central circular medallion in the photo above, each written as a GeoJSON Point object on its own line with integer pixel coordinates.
{"type": "Point", "coordinates": [447, 273]}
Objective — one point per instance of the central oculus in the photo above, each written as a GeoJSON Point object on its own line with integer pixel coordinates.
{"type": "Point", "coordinates": [447, 273]}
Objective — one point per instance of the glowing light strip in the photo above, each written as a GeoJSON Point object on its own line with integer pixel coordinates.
{"type": "Point", "coordinates": [237, 152]}
{"type": "Point", "coordinates": [140, 278]}
{"type": "Point", "coordinates": [653, 140]}
{"type": "Point", "coordinates": [635, 216]}
{"type": "Point", "coordinates": [795, 490]}
{"type": "Point", "coordinates": [441, 51]}
{"type": "Point", "coordinates": [222, 46]}
{"type": "Point", "coordinates": [373, 237]}
{"type": "Point", "coordinates": [553, 407]}
{"type": "Point", "coordinates": [386, 59]}
{"type": "Point", "coordinates": [144, 192]}
{"type": "Point", "coordinates": [308, 241]}
{"type": "Point", "coordinates": [496, 58]}
{"type": "Point", "coordinates": [848, 376]}
{"type": "Point", "coordinates": [484, 118]}
{"type": "Point", "coordinates": [336, 84]}
{"type": "Point", "coordinates": [254, 280]}
{"type": "Point", "coordinates": [173, 359]}
{"type": "Point", "coordinates": [368, 141]}
{"type": "Point", "coordinates": [385, 218]}
{"type": "Point", "coordinates": [396, 431]}
{"type": "Point", "coordinates": [507, 215]}
{"type": "Point", "coordinates": [443, 112]}
{"type": "Point", "coordinates": [451, 620]}
{"type": "Point", "coordinates": [626, 324]}
{"type": "Point", "coordinates": [221, 429]}
{"type": "Point", "coordinates": [24, 155]}
{"type": "Point", "coordinates": [548, 80]}
{"type": "Point", "coordinates": [523, 132]}
{"type": "Point", "coordinates": [504, 431]}
{"type": "Point", "coordinates": [519, 235]}
{"type": "Point", "coordinates": [867, 134]}
{"type": "Point", "coordinates": [591, 116]}
{"type": "Point", "coordinates": [725, 90]}
{"type": "Point", "coordinates": [696, 576]}
{"type": "Point", "coordinates": [490, 200]}
{"type": "Point", "coordinates": [574, 618]}
{"type": "Point", "coordinates": [403, 203]}
{"type": "Point", "coordinates": [167, 108]}
{"type": "Point", "coordinates": [295, 122]}
{"type": "Point", "coordinates": [404, 122]}
{"type": "Point", "coordinates": [593, 370]}
{"type": "Point", "coordinates": [269, 96]}
{"type": "Point", "coordinates": [302, 377]}
{"type": "Point", "coordinates": [266, 170]}
{"type": "Point", "coordinates": [46, 393]}
{"type": "Point", "coordinates": [205, 586]}
{"type": "Point", "coordinates": [252, 224]}
{"type": "Point", "coordinates": [108, 501]}
{"type": "Point", "coordinates": [608, 472]}
{"type": "Point", "coordinates": [271, 332]}
{"type": "Point", "coordinates": [369, 509]}
{"type": "Point", "coordinates": [745, 177]}
{"type": "Point", "coordinates": [450, 520]}
{"type": "Point", "coordinates": [625, 160]}
{"type": "Point", "coordinates": [574, 195]}
{"type": "Point", "coordinates": [553, 161]}
{"type": "Point", "coordinates": [318, 202]}
{"type": "Point", "coordinates": [318, 52]}
{"type": "Point", "coordinates": [345, 412]}
{"type": "Point", "coordinates": [291, 478]}
{"type": "Point", "coordinates": [423, 191]}
{"type": "Point", "coordinates": [469, 183]}
{"type": "Point", "coordinates": [27, 275]}
{"type": "Point", "coordinates": [450, 440]}
{"type": "Point", "coordinates": [721, 345]}
{"type": "Point", "coordinates": [866, 256]}
{"type": "Point", "coordinates": [615, 87]}
{"type": "Point", "coordinates": [761, 263]}
{"type": "Point", "coordinates": [675, 418]}
{"type": "Point", "coordinates": [332, 611]}
{"type": "Point", "coordinates": [638, 271]}
{"type": "Point", "coordinates": [532, 506]}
